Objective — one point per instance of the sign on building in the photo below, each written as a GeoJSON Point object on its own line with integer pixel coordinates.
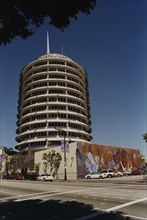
{"type": "Point", "coordinates": [66, 146]}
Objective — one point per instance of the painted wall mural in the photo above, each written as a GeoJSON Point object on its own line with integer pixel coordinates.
{"type": "Point", "coordinates": [92, 158]}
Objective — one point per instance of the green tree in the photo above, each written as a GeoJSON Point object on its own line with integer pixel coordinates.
{"type": "Point", "coordinates": [52, 162]}
{"type": "Point", "coordinates": [6, 165]}
{"type": "Point", "coordinates": [37, 167]}
{"type": "Point", "coordinates": [7, 150]}
{"type": "Point", "coordinates": [145, 137]}
{"type": "Point", "coordinates": [16, 162]}
{"type": "Point", "coordinates": [17, 17]}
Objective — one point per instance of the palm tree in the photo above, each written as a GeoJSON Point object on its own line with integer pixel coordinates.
{"type": "Point", "coordinates": [145, 137]}
{"type": "Point", "coordinates": [52, 162]}
{"type": "Point", "coordinates": [37, 167]}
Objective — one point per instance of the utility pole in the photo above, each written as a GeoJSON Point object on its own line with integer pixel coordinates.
{"type": "Point", "coordinates": [65, 162]}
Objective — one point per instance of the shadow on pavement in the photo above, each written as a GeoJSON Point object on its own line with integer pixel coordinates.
{"type": "Point", "coordinates": [52, 209]}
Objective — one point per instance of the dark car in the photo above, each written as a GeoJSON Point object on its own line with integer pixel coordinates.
{"type": "Point", "coordinates": [137, 172]}
{"type": "Point", "coordinates": [30, 176]}
{"type": "Point", "coordinates": [7, 177]}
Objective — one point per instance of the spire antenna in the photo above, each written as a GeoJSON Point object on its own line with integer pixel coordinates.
{"type": "Point", "coordinates": [48, 45]}
{"type": "Point", "coordinates": [62, 49]}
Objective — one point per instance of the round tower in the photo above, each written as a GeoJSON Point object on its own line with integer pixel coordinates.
{"type": "Point", "coordinates": [53, 102]}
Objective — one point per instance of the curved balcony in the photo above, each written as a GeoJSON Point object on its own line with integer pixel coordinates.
{"type": "Point", "coordinates": [60, 96]}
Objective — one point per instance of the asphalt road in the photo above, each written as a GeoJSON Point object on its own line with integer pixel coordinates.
{"type": "Point", "coordinates": [122, 198]}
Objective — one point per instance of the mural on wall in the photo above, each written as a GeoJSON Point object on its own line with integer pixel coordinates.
{"type": "Point", "coordinates": [92, 158]}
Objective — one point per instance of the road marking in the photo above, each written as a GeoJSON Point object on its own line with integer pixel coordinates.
{"type": "Point", "coordinates": [24, 195]}
{"type": "Point", "coordinates": [126, 204]}
{"type": "Point", "coordinates": [4, 192]}
{"type": "Point", "coordinates": [43, 196]}
{"type": "Point", "coordinates": [132, 216]}
{"type": "Point", "coordinates": [53, 194]}
{"type": "Point", "coordinates": [74, 191]}
{"type": "Point", "coordinates": [111, 209]}
{"type": "Point", "coordinates": [92, 215]}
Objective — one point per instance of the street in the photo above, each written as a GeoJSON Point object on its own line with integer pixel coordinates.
{"type": "Point", "coordinates": [116, 198]}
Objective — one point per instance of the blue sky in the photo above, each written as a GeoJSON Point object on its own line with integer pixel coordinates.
{"type": "Point", "coordinates": [111, 44]}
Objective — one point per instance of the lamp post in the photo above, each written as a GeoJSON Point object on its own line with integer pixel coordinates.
{"type": "Point", "coordinates": [64, 132]}
{"type": "Point", "coordinates": [1, 161]}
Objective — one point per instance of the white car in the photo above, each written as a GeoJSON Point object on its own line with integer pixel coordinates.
{"type": "Point", "coordinates": [125, 172]}
{"type": "Point", "coordinates": [107, 173]}
{"type": "Point", "coordinates": [117, 173]}
{"type": "Point", "coordinates": [45, 177]}
{"type": "Point", "coordinates": [95, 176]}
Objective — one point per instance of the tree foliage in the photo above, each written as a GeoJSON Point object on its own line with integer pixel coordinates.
{"type": "Point", "coordinates": [145, 137]}
{"type": "Point", "coordinates": [7, 150]}
{"type": "Point", "coordinates": [52, 162]}
{"type": "Point", "coordinates": [15, 162]}
{"type": "Point", "coordinates": [37, 167]}
{"type": "Point", "coordinates": [18, 16]}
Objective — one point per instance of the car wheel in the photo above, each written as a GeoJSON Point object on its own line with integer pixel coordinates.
{"type": "Point", "coordinates": [109, 176]}
{"type": "Point", "coordinates": [88, 177]}
{"type": "Point", "coordinates": [100, 177]}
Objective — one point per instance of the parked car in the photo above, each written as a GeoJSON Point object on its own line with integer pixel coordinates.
{"type": "Point", "coordinates": [108, 173]}
{"type": "Point", "coordinates": [95, 176]}
{"type": "Point", "coordinates": [125, 172]}
{"type": "Point", "coordinates": [137, 172]}
{"type": "Point", "coordinates": [31, 176]}
{"type": "Point", "coordinates": [45, 177]}
{"type": "Point", "coordinates": [117, 173]}
{"type": "Point", "coordinates": [7, 177]}
{"type": "Point", "coordinates": [17, 176]}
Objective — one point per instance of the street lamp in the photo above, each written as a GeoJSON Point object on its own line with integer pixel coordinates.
{"type": "Point", "coordinates": [1, 161]}
{"type": "Point", "coordinates": [64, 132]}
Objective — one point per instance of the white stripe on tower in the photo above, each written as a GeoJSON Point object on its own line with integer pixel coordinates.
{"type": "Point", "coordinates": [48, 45]}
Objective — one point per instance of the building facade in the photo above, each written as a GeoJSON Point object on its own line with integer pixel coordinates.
{"type": "Point", "coordinates": [53, 103]}
{"type": "Point", "coordinates": [83, 158]}
{"type": "Point", "coordinates": [92, 158]}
